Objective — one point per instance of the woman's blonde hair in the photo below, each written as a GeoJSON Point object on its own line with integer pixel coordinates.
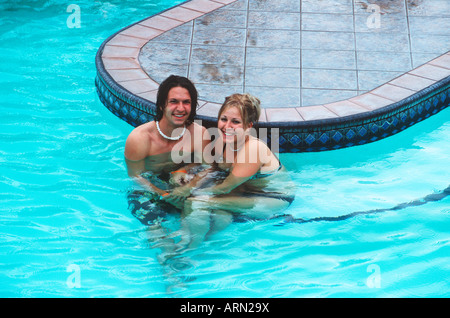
{"type": "Point", "coordinates": [248, 105]}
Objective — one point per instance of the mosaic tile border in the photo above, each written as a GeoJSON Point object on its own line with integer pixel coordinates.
{"type": "Point", "coordinates": [129, 93]}
{"type": "Point", "coordinates": [370, 127]}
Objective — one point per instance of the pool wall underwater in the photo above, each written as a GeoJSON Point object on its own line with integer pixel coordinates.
{"type": "Point", "coordinates": [380, 113]}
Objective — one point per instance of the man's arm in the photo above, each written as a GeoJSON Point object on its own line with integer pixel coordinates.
{"type": "Point", "coordinates": [136, 150]}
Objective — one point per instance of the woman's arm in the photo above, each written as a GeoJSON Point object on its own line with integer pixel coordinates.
{"type": "Point", "coordinates": [231, 182]}
{"type": "Point", "coordinates": [246, 166]}
{"type": "Point", "coordinates": [179, 194]}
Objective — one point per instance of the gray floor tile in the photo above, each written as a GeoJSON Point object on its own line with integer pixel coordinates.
{"type": "Point", "coordinates": [328, 40]}
{"type": "Point", "coordinates": [162, 70]}
{"type": "Point", "coordinates": [238, 5]}
{"type": "Point", "coordinates": [272, 97]}
{"type": "Point", "coordinates": [368, 80]}
{"type": "Point", "coordinates": [214, 54]}
{"type": "Point", "coordinates": [153, 53]}
{"type": "Point", "coordinates": [378, 42]}
{"type": "Point", "coordinates": [331, 79]}
{"type": "Point", "coordinates": [429, 25]}
{"type": "Point", "coordinates": [272, 77]}
{"type": "Point", "coordinates": [273, 20]}
{"type": "Point", "coordinates": [380, 6]}
{"type": "Point", "coordinates": [330, 6]}
{"type": "Point", "coordinates": [386, 23]}
{"type": "Point", "coordinates": [384, 61]}
{"type": "Point", "coordinates": [312, 97]}
{"type": "Point", "coordinates": [422, 58]}
{"type": "Point", "coordinates": [217, 93]}
{"type": "Point", "coordinates": [216, 74]}
{"type": "Point", "coordinates": [430, 43]}
{"type": "Point", "coordinates": [219, 36]}
{"type": "Point", "coordinates": [272, 57]}
{"type": "Point", "coordinates": [279, 5]}
{"type": "Point", "coordinates": [299, 53]}
{"type": "Point", "coordinates": [328, 59]}
{"type": "Point", "coordinates": [436, 8]}
{"type": "Point", "coordinates": [327, 22]}
{"type": "Point", "coordinates": [223, 18]}
{"type": "Point", "coordinates": [179, 35]}
{"type": "Point", "coordinates": [273, 38]}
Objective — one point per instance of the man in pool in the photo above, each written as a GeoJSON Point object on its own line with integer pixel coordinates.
{"type": "Point", "coordinates": [150, 147]}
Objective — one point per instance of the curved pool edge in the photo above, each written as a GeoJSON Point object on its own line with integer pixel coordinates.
{"type": "Point", "coordinates": [384, 111]}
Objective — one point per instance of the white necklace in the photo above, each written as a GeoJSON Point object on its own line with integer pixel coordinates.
{"type": "Point", "coordinates": [237, 149]}
{"type": "Point", "coordinates": [167, 137]}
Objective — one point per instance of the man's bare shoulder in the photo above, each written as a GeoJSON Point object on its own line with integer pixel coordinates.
{"type": "Point", "coordinates": [138, 142]}
{"type": "Point", "coordinates": [142, 131]}
{"type": "Point", "coordinates": [196, 127]}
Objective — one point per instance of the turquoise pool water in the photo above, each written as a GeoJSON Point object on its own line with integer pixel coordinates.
{"type": "Point", "coordinates": [66, 231]}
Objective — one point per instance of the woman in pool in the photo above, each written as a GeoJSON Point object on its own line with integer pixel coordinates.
{"type": "Point", "coordinates": [256, 184]}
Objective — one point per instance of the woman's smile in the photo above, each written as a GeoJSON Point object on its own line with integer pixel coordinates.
{"type": "Point", "coordinates": [231, 125]}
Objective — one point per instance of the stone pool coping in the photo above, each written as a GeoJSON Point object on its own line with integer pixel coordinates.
{"type": "Point", "coordinates": [128, 91]}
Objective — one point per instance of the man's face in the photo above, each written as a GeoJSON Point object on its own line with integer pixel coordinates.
{"type": "Point", "coordinates": [178, 106]}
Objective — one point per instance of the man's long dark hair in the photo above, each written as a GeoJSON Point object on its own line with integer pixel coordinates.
{"type": "Point", "coordinates": [163, 92]}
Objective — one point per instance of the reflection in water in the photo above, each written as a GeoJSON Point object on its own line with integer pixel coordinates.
{"type": "Point", "coordinates": [177, 261]}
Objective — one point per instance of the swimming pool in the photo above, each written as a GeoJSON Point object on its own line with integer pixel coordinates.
{"type": "Point", "coordinates": [66, 230]}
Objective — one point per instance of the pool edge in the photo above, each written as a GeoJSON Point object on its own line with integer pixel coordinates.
{"type": "Point", "coordinates": [377, 114]}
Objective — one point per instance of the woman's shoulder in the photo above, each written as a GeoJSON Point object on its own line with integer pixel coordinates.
{"type": "Point", "coordinates": [257, 145]}
{"type": "Point", "coordinates": [255, 141]}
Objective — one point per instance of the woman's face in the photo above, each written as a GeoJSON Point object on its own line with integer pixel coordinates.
{"type": "Point", "coordinates": [231, 125]}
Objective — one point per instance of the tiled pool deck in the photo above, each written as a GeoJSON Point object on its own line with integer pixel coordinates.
{"type": "Point", "coordinates": [330, 74]}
